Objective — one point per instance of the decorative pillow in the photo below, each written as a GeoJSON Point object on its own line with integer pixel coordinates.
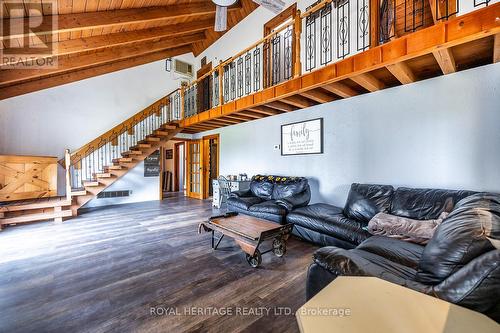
{"type": "Point", "coordinates": [366, 200]}
{"type": "Point", "coordinates": [360, 208]}
{"type": "Point", "coordinates": [415, 231]}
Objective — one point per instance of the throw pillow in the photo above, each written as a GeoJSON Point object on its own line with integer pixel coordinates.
{"type": "Point", "coordinates": [360, 208]}
{"type": "Point", "coordinates": [403, 228]}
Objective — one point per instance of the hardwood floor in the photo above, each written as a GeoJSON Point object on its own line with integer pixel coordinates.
{"type": "Point", "coordinates": [108, 269]}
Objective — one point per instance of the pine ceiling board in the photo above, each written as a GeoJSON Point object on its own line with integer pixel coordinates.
{"type": "Point", "coordinates": [78, 7]}
{"type": "Point", "coordinates": [126, 4]}
{"type": "Point", "coordinates": [47, 8]}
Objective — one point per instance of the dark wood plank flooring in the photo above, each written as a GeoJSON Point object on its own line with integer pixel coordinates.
{"type": "Point", "coordinates": [104, 270]}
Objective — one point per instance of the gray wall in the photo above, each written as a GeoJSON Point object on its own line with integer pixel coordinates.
{"type": "Point", "coordinates": [440, 133]}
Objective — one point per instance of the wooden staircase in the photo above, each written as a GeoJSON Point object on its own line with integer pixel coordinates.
{"type": "Point", "coordinates": [120, 166]}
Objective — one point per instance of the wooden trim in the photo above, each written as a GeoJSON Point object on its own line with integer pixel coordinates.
{"type": "Point", "coordinates": [374, 22]}
{"type": "Point", "coordinates": [206, 165]}
{"type": "Point", "coordinates": [496, 48]}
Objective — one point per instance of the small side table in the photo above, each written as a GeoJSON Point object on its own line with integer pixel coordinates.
{"type": "Point", "coordinates": [235, 185]}
{"type": "Point", "coordinates": [369, 304]}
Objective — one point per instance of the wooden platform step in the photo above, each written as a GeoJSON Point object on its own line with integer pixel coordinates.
{"type": "Point", "coordinates": [104, 175]}
{"type": "Point", "coordinates": [169, 127]}
{"type": "Point", "coordinates": [132, 152]}
{"type": "Point", "coordinates": [161, 133]}
{"type": "Point", "coordinates": [77, 193]}
{"type": "Point", "coordinates": [35, 204]}
{"type": "Point", "coordinates": [152, 139]}
{"type": "Point", "coordinates": [141, 145]}
{"type": "Point", "coordinates": [123, 160]}
{"type": "Point", "coordinates": [35, 217]}
{"type": "Point", "coordinates": [114, 167]}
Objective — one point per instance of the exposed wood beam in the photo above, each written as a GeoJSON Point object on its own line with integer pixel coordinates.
{"type": "Point", "coordinates": [74, 46]}
{"type": "Point", "coordinates": [52, 81]}
{"type": "Point", "coordinates": [281, 106]}
{"type": "Point", "coordinates": [340, 89]}
{"type": "Point", "coordinates": [298, 101]}
{"type": "Point", "coordinates": [238, 117]}
{"type": "Point", "coordinates": [446, 61]}
{"type": "Point", "coordinates": [12, 76]}
{"type": "Point", "coordinates": [496, 48]}
{"type": "Point", "coordinates": [369, 82]}
{"type": "Point", "coordinates": [108, 19]}
{"type": "Point", "coordinates": [264, 110]}
{"type": "Point", "coordinates": [318, 95]}
{"type": "Point", "coordinates": [402, 72]}
{"type": "Point", "coordinates": [251, 114]}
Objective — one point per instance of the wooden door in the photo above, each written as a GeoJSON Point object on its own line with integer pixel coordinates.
{"type": "Point", "coordinates": [194, 168]}
{"type": "Point", "coordinates": [210, 163]}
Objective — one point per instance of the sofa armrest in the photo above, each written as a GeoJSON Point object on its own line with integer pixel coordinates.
{"type": "Point", "coordinates": [295, 201]}
{"type": "Point", "coordinates": [241, 194]}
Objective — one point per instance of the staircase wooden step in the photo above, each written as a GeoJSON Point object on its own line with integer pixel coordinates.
{"type": "Point", "coordinates": [152, 139]}
{"type": "Point", "coordinates": [104, 175]}
{"type": "Point", "coordinates": [77, 193]}
{"type": "Point", "coordinates": [132, 152]}
{"type": "Point", "coordinates": [169, 127]}
{"type": "Point", "coordinates": [161, 133]}
{"type": "Point", "coordinates": [88, 183]}
{"type": "Point", "coordinates": [35, 217]}
{"type": "Point", "coordinates": [114, 167]}
{"type": "Point", "coordinates": [35, 204]}
{"type": "Point", "coordinates": [123, 160]}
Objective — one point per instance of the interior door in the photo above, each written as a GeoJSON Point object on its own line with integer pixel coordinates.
{"type": "Point", "coordinates": [194, 168]}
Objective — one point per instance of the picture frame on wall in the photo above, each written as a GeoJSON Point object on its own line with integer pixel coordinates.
{"type": "Point", "coordinates": [302, 138]}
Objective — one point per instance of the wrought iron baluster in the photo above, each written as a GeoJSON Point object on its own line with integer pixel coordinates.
{"type": "Point", "coordinates": [325, 40]}
{"type": "Point", "coordinates": [239, 65]}
{"type": "Point", "coordinates": [310, 36]}
{"type": "Point", "coordinates": [287, 53]}
{"type": "Point", "coordinates": [256, 69]}
{"type": "Point", "coordinates": [226, 83]}
{"type": "Point", "coordinates": [387, 20]}
{"type": "Point", "coordinates": [363, 28]}
{"type": "Point", "coordinates": [248, 73]}
{"type": "Point", "coordinates": [216, 88]}
{"type": "Point", "coordinates": [343, 30]}
{"type": "Point", "coordinates": [276, 48]}
{"type": "Point", "coordinates": [232, 71]}
{"type": "Point", "coordinates": [267, 61]}
{"type": "Point", "coordinates": [416, 15]}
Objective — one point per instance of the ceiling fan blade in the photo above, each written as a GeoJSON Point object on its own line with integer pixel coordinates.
{"type": "Point", "coordinates": [220, 18]}
{"type": "Point", "coordinates": [276, 6]}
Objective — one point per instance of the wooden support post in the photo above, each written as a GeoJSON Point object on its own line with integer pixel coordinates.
{"type": "Point", "coordinates": [446, 61]}
{"type": "Point", "coordinates": [496, 48]}
{"type": "Point", "coordinates": [374, 22]}
{"type": "Point", "coordinates": [221, 88]}
{"type": "Point", "coordinates": [67, 165]}
{"type": "Point", "coordinates": [182, 101]}
{"type": "Point", "coordinates": [402, 72]}
{"type": "Point", "coordinates": [297, 65]}
{"type": "Point", "coordinates": [58, 209]}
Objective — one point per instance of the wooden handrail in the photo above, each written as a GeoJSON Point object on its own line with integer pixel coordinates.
{"type": "Point", "coordinates": [80, 153]}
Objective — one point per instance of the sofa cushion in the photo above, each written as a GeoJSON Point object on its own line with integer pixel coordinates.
{"type": "Point", "coordinates": [462, 237]}
{"type": "Point", "coordinates": [329, 220]}
{"type": "Point", "coordinates": [262, 186]}
{"type": "Point", "coordinates": [357, 262]}
{"type": "Point", "coordinates": [364, 201]}
{"type": "Point", "coordinates": [244, 202]}
{"type": "Point", "coordinates": [396, 250]}
{"type": "Point", "coordinates": [269, 207]}
{"type": "Point", "coordinates": [425, 204]}
{"type": "Point", "coordinates": [285, 187]}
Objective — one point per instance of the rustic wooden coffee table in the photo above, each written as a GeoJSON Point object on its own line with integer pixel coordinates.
{"type": "Point", "coordinates": [249, 233]}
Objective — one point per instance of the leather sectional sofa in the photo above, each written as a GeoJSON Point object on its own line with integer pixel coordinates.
{"type": "Point", "coordinates": [459, 264]}
{"type": "Point", "coordinates": [271, 197]}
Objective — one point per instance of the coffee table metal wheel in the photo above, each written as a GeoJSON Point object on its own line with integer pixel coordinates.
{"type": "Point", "coordinates": [254, 260]}
{"type": "Point", "coordinates": [279, 247]}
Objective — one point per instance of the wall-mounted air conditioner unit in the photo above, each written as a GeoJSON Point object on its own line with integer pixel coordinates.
{"type": "Point", "coordinates": [183, 68]}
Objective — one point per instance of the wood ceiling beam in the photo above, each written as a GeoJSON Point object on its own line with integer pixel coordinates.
{"type": "Point", "coordinates": [108, 19]}
{"type": "Point", "coordinates": [264, 110]}
{"type": "Point", "coordinates": [369, 82]}
{"type": "Point", "coordinates": [251, 114]}
{"type": "Point", "coordinates": [402, 72]}
{"type": "Point", "coordinates": [52, 81]}
{"type": "Point", "coordinates": [239, 117]}
{"type": "Point", "coordinates": [74, 46]}
{"type": "Point", "coordinates": [13, 76]}
{"type": "Point", "coordinates": [281, 106]}
{"type": "Point", "coordinates": [496, 48]}
{"type": "Point", "coordinates": [341, 89]}
{"type": "Point", "coordinates": [446, 60]}
{"type": "Point", "coordinates": [318, 95]}
{"type": "Point", "coordinates": [298, 101]}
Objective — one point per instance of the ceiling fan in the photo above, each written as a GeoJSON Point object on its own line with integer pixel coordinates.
{"type": "Point", "coordinates": [276, 6]}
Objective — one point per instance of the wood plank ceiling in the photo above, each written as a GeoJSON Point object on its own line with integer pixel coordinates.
{"type": "Point", "coordinates": [95, 37]}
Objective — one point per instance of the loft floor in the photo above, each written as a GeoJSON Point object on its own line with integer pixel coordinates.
{"type": "Point", "coordinates": [103, 270]}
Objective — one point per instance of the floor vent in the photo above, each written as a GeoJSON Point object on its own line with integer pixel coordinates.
{"type": "Point", "coordinates": [113, 194]}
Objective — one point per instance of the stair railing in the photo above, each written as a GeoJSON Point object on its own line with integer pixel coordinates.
{"type": "Point", "coordinates": [94, 158]}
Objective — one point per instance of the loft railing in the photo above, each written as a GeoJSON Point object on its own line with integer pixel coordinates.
{"type": "Point", "coordinates": [328, 31]}
{"type": "Point", "coordinates": [96, 156]}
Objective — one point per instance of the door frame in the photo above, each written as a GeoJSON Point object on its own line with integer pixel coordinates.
{"type": "Point", "coordinates": [206, 162]}
{"type": "Point", "coordinates": [190, 194]}
{"type": "Point", "coordinates": [177, 147]}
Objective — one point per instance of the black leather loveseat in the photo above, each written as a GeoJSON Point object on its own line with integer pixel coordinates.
{"type": "Point", "coordinates": [459, 264]}
{"type": "Point", "coordinates": [324, 224]}
{"type": "Point", "coordinates": [271, 197]}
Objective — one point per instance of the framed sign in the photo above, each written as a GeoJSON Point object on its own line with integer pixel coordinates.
{"type": "Point", "coordinates": [302, 138]}
{"type": "Point", "coordinates": [169, 154]}
{"type": "Point", "coordinates": [152, 165]}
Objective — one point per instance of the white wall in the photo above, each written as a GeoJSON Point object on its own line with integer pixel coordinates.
{"type": "Point", "coordinates": [439, 133]}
